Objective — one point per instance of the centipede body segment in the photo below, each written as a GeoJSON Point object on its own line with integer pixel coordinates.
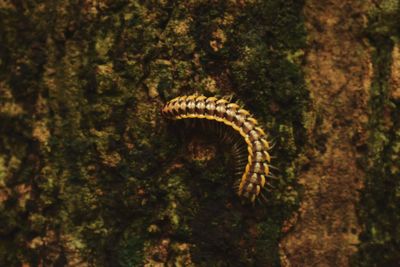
{"type": "Point", "coordinates": [256, 170]}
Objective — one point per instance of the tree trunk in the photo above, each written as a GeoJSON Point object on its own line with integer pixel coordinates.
{"type": "Point", "coordinates": [91, 174]}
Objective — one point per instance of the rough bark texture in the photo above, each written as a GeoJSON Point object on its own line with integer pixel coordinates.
{"type": "Point", "coordinates": [91, 174]}
{"type": "Point", "coordinates": [339, 71]}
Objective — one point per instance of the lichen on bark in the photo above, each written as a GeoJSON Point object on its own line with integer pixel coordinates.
{"type": "Point", "coordinates": [92, 175]}
{"type": "Point", "coordinates": [379, 210]}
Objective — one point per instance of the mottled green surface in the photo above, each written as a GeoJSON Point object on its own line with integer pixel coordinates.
{"type": "Point", "coordinates": [90, 172]}
{"type": "Point", "coordinates": [380, 203]}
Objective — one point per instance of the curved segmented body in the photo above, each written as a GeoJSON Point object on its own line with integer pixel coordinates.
{"type": "Point", "coordinates": [230, 114]}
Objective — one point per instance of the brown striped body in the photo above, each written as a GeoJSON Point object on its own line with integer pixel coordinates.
{"type": "Point", "coordinates": [230, 114]}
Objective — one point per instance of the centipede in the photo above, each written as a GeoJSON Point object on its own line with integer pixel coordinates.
{"type": "Point", "coordinates": [220, 110]}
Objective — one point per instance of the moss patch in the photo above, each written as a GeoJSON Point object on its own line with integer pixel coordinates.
{"type": "Point", "coordinates": [379, 210]}
{"type": "Point", "coordinates": [91, 173]}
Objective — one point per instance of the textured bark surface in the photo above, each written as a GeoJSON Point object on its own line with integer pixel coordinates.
{"type": "Point", "coordinates": [339, 72]}
{"type": "Point", "coordinates": [91, 174]}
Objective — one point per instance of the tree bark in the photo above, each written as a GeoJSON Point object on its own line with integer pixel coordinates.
{"type": "Point", "coordinates": [92, 175]}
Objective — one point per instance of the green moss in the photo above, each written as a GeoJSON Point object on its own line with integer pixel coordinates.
{"type": "Point", "coordinates": [3, 172]}
{"type": "Point", "coordinates": [379, 210]}
{"type": "Point", "coordinates": [383, 20]}
{"type": "Point", "coordinates": [111, 168]}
